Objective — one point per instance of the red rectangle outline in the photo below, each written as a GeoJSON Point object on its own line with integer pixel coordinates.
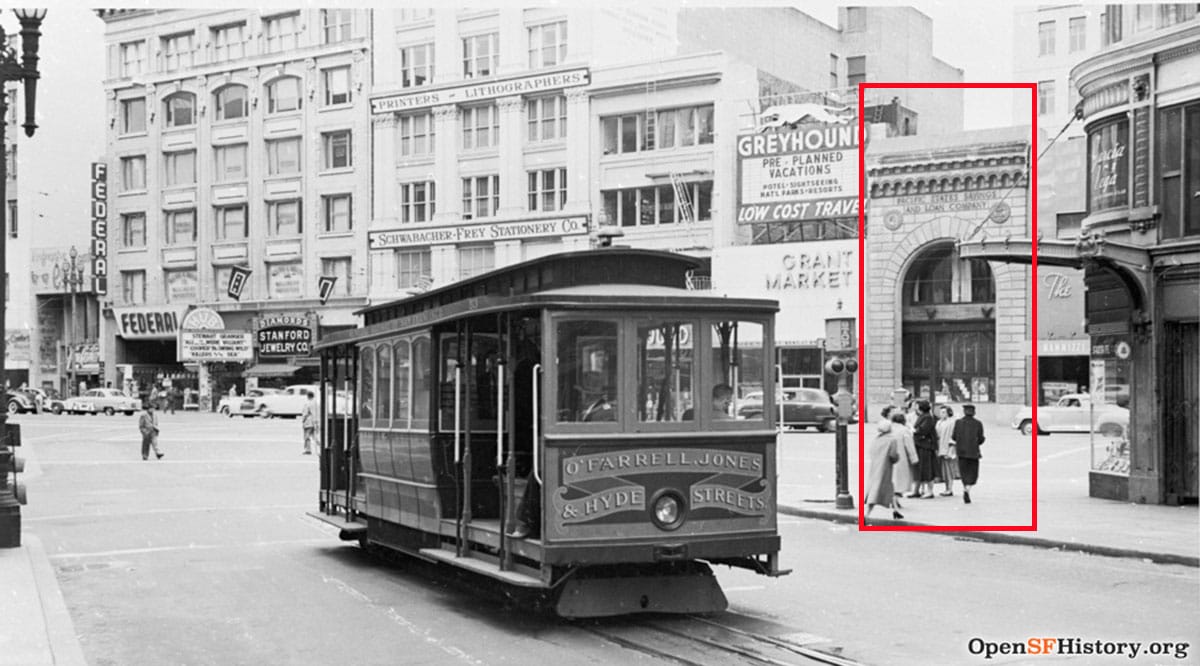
{"type": "Point", "coordinates": [864, 416]}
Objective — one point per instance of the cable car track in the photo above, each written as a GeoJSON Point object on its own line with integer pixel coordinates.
{"type": "Point", "coordinates": [698, 641]}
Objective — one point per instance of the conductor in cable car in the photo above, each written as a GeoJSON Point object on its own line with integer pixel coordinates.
{"type": "Point", "coordinates": [528, 355]}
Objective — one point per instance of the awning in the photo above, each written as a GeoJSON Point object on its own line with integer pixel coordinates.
{"type": "Point", "coordinates": [271, 370]}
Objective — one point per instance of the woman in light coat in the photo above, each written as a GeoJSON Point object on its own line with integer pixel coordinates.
{"type": "Point", "coordinates": [945, 436]}
{"type": "Point", "coordinates": [883, 453]}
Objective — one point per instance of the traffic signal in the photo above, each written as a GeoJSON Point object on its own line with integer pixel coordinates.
{"type": "Point", "coordinates": [841, 366]}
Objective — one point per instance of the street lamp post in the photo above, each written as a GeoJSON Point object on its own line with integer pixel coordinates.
{"type": "Point", "coordinates": [72, 282]}
{"type": "Point", "coordinates": [26, 71]}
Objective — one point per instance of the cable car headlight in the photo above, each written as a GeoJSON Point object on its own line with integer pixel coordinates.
{"type": "Point", "coordinates": [668, 509]}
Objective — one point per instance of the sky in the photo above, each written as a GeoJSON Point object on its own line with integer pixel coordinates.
{"type": "Point", "coordinates": [71, 105]}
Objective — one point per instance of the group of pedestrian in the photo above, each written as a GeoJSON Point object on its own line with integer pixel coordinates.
{"type": "Point", "coordinates": [913, 451]}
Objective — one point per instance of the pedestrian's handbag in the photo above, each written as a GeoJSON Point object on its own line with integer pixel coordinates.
{"type": "Point", "coordinates": [952, 452]}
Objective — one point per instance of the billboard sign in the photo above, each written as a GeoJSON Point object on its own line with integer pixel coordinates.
{"type": "Point", "coordinates": [806, 173]}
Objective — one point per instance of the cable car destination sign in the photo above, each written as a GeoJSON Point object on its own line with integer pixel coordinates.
{"type": "Point", "coordinates": [808, 173]}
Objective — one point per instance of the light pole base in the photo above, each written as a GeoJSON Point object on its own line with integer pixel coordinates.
{"type": "Point", "coordinates": [843, 502]}
{"type": "Point", "coordinates": [10, 522]}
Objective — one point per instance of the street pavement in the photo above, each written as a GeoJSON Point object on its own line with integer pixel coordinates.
{"type": "Point", "coordinates": [36, 628]}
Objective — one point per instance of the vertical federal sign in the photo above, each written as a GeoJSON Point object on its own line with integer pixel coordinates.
{"type": "Point", "coordinates": [100, 228]}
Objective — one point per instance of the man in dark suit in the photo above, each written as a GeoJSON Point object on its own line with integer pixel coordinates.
{"type": "Point", "coordinates": [968, 437]}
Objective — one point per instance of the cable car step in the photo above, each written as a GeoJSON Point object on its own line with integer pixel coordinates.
{"type": "Point", "coordinates": [482, 567]}
{"type": "Point", "coordinates": [348, 530]}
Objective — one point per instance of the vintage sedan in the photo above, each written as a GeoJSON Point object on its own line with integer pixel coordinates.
{"type": "Point", "coordinates": [290, 402]}
{"type": "Point", "coordinates": [1071, 414]}
{"type": "Point", "coordinates": [802, 407]}
{"type": "Point", "coordinates": [245, 405]}
{"type": "Point", "coordinates": [102, 400]}
{"type": "Point", "coordinates": [20, 402]}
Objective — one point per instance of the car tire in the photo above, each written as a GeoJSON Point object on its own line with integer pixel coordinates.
{"type": "Point", "coordinates": [1027, 427]}
{"type": "Point", "coordinates": [129, 413]}
{"type": "Point", "coordinates": [827, 425]}
{"type": "Point", "coordinates": [224, 411]}
{"type": "Point", "coordinates": [109, 411]}
{"type": "Point", "coordinates": [57, 409]}
{"type": "Point", "coordinates": [14, 407]}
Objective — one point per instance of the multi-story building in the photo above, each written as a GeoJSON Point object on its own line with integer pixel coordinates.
{"type": "Point", "coordinates": [238, 140]}
{"type": "Point", "coordinates": [17, 299]}
{"type": "Point", "coordinates": [1139, 248]}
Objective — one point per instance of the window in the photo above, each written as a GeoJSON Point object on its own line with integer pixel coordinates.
{"type": "Point", "coordinates": [412, 267]}
{"type": "Point", "coordinates": [739, 361]}
{"type": "Point", "coordinates": [983, 287]}
{"type": "Point", "coordinates": [415, 14]}
{"type": "Point", "coordinates": [833, 70]}
{"type": "Point", "coordinates": [229, 42]}
{"type": "Point", "coordinates": [1170, 14]}
{"type": "Point", "coordinates": [671, 128]}
{"type": "Point", "coordinates": [416, 65]}
{"type": "Point", "coordinates": [13, 230]}
{"type": "Point", "coordinates": [283, 95]}
{"type": "Point", "coordinates": [133, 173]}
{"type": "Point", "coordinates": [180, 227]}
{"type": "Point", "coordinates": [133, 115]}
{"type": "Point", "coordinates": [481, 126]}
{"type": "Point", "coordinates": [1046, 38]}
{"type": "Point", "coordinates": [366, 387]}
{"type": "Point", "coordinates": [588, 382]}
{"type": "Point", "coordinates": [337, 211]}
{"type": "Point", "coordinates": [336, 82]}
{"type": "Point", "coordinates": [283, 217]}
{"type": "Point", "coordinates": [400, 406]}
{"type": "Point", "coordinates": [416, 134]}
{"type": "Point", "coordinates": [338, 267]}
{"type": "Point", "coordinates": [231, 222]}
{"type": "Point", "coordinates": [281, 32]}
{"type": "Point", "coordinates": [1077, 33]}
{"type": "Point", "coordinates": [335, 147]}
{"type": "Point", "coordinates": [475, 260]}
{"type": "Point", "coordinates": [547, 190]}
{"type": "Point", "coordinates": [547, 118]}
{"type": "Point", "coordinates": [230, 162]}
{"type": "Point", "coordinates": [181, 110]}
{"type": "Point", "coordinates": [10, 161]}
{"type": "Point", "coordinates": [665, 370]}
{"type": "Point", "coordinates": [177, 52]}
{"type": "Point", "coordinates": [1143, 18]}
{"type": "Point", "coordinates": [856, 19]}
{"type": "Point", "coordinates": [181, 286]}
{"type": "Point", "coordinates": [1108, 159]}
{"type": "Point", "coordinates": [133, 58]}
{"type": "Point", "coordinates": [664, 204]}
{"type": "Point", "coordinates": [1045, 97]}
{"type": "Point", "coordinates": [133, 230]}
{"type": "Point", "coordinates": [1111, 25]}
{"type": "Point", "coordinates": [481, 55]}
{"type": "Point", "coordinates": [856, 70]}
{"type": "Point", "coordinates": [937, 276]}
{"type": "Point", "coordinates": [283, 156]}
{"type": "Point", "coordinates": [180, 168]}
{"type": "Point", "coordinates": [335, 25]}
{"type": "Point", "coordinates": [417, 201]}
{"type": "Point", "coordinates": [1179, 170]}
{"type": "Point", "coordinates": [547, 44]}
{"type": "Point", "coordinates": [133, 287]}
{"type": "Point", "coordinates": [481, 196]}
{"type": "Point", "coordinates": [230, 103]}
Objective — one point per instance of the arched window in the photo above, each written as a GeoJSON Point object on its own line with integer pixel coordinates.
{"type": "Point", "coordinates": [937, 276]}
{"type": "Point", "coordinates": [181, 109]}
{"type": "Point", "coordinates": [283, 95]}
{"type": "Point", "coordinates": [230, 102]}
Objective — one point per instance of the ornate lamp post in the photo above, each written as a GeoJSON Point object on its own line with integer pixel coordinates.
{"type": "Point", "coordinates": [26, 70]}
{"type": "Point", "coordinates": [72, 282]}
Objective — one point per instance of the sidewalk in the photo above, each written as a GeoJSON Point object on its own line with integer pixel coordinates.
{"type": "Point", "coordinates": [1067, 518]}
{"type": "Point", "coordinates": [35, 627]}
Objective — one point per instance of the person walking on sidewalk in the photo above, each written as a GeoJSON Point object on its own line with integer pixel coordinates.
{"type": "Point", "coordinates": [148, 425]}
{"type": "Point", "coordinates": [946, 453]}
{"type": "Point", "coordinates": [968, 437]}
{"type": "Point", "coordinates": [308, 421]}
{"type": "Point", "coordinates": [883, 454]}
{"type": "Point", "coordinates": [926, 441]}
{"type": "Point", "coordinates": [904, 473]}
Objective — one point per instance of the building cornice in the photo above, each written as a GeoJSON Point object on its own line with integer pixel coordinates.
{"type": "Point", "coordinates": [1170, 43]}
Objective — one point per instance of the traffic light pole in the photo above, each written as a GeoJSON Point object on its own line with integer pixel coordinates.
{"type": "Point", "coordinates": [843, 369]}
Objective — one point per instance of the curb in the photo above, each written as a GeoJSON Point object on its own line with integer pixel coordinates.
{"type": "Point", "coordinates": [1003, 537]}
{"type": "Point", "coordinates": [60, 630]}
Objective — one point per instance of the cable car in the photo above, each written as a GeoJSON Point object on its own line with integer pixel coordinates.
{"type": "Point", "coordinates": [592, 394]}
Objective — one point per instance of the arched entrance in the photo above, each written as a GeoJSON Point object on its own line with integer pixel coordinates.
{"type": "Point", "coordinates": [948, 326]}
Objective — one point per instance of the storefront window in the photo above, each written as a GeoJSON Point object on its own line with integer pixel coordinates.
{"type": "Point", "coordinates": [665, 371]}
{"type": "Point", "coordinates": [1108, 409]}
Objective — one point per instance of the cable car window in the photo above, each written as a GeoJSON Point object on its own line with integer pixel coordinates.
{"type": "Point", "coordinates": [665, 367]}
{"type": "Point", "coordinates": [383, 383]}
{"type": "Point", "coordinates": [400, 417]}
{"type": "Point", "coordinates": [739, 367]}
{"type": "Point", "coordinates": [479, 382]}
{"type": "Point", "coordinates": [421, 381]}
{"type": "Point", "coordinates": [587, 371]}
{"type": "Point", "coordinates": [366, 373]}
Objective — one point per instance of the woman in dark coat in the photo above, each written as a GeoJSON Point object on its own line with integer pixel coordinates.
{"type": "Point", "coordinates": [883, 453]}
{"type": "Point", "coordinates": [925, 438]}
{"type": "Point", "coordinates": [968, 437]}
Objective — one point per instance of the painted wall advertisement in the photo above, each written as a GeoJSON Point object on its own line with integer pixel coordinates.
{"type": "Point", "coordinates": [803, 174]}
{"type": "Point", "coordinates": [1108, 154]}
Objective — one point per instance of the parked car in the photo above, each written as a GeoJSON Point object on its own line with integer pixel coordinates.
{"type": "Point", "coordinates": [244, 405]}
{"type": "Point", "coordinates": [20, 402]}
{"type": "Point", "coordinates": [1070, 414]}
{"type": "Point", "coordinates": [290, 402]}
{"type": "Point", "coordinates": [106, 400]}
{"type": "Point", "coordinates": [802, 407]}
